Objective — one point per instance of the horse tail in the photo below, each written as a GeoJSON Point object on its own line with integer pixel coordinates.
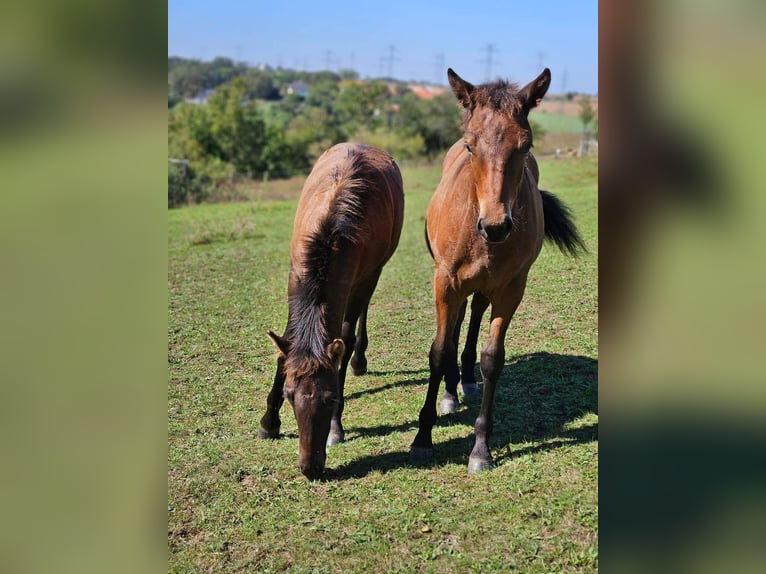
{"type": "Point", "coordinates": [428, 243]}
{"type": "Point", "coordinates": [559, 225]}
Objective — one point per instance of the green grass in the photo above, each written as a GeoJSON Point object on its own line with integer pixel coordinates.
{"type": "Point", "coordinates": [237, 503]}
{"type": "Point", "coordinates": [554, 123]}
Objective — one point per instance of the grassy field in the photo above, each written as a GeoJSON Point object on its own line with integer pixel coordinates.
{"type": "Point", "coordinates": [237, 503]}
{"type": "Point", "coordinates": [553, 122]}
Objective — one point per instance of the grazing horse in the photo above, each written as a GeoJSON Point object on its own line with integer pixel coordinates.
{"type": "Point", "coordinates": [485, 227]}
{"type": "Point", "coordinates": [347, 226]}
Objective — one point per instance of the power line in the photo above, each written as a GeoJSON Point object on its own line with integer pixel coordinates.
{"type": "Point", "coordinates": [390, 59]}
{"type": "Point", "coordinates": [439, 68]}
{"type": "Point", "coordinates": [540, 60]}
{"type": "Point", "coordinates": [489, 61]}
{"type": "Point", "coordinates": [328, 59]}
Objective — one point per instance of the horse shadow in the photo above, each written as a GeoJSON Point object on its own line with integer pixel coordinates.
{"type": "Point", "coordinates": [398, 385]}
{"type": "Point", "coordinates": [537, 395]}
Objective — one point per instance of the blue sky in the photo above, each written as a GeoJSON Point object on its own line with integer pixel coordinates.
{"type": "Point", "coordinates": [428, 36]}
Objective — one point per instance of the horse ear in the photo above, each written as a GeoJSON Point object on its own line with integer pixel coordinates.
{"type": "Point", "coordinates": [532, 94]}
{"type": "Point", "coordinates": [460, 88]}
{"type": "Point", "coordinates": [282, 345]}
{"type": "Point", "coordinates": [335, 350]}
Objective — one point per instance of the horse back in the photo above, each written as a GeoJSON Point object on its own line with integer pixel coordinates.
{"type": "Point", "coordinates": [357, 191]}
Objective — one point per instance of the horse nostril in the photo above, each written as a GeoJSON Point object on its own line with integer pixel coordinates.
{"type": "Point", "coordinates": [495, 233]}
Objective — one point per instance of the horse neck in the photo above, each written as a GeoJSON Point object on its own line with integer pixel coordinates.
{"type": "Point", "coordinates": [320, 309]}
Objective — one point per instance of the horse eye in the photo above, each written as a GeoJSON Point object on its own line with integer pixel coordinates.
{"type": "Point", "coordinates": [467, 147]}
{"type": "Point", "coordinates": [527, 147]}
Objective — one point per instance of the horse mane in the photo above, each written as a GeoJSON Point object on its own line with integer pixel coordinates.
{"type": "Point", "coordinates": [307, 329]}
{"type": "Point", "coordinates": [500, 96]}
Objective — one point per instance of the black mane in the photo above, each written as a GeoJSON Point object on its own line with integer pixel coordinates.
{"type": "Point", "coordinates": [500, 96]}
{"type": "Point", "coordinates": [307, 328]}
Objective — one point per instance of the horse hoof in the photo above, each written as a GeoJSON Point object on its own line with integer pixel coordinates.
{"type": "Point", "coordinates": [335, 438]}
{"type": "Point", "coordinates": [479, 465]}
{"type": "Point", "coordinates": [421, 454]}
{"type": "Point", "coordinates": [263, 433]}
{"type": "Point", "coordinates": [470, 389]}
{"type": "Point", "coordinates": [358, 366]}
{"type": "Point", "coordinates": [448, 404]}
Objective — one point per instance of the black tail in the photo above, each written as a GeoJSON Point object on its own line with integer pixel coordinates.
{"type": "Point", "coordinates": [559, 226]}
{"type": "Point", "coordinates": [428, 243]}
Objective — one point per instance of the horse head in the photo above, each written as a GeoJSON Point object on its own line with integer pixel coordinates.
{"type": "Point", "coordinates": [497, 138]}
{"type": "Point", "coordinates": [311, 388]}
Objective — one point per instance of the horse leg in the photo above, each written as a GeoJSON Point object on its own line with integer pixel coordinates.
{"type": "Point", "coordinates": [359, 360]}
{"type": "Point", "coordinates": [270, 423]}
{"type": "Point", "coordinates": [479, 304]}
{"type": "Point", "coordinates": [356, 308]}
{"type": "Point", "coordinates": [442, 361]}
{"type": "Point", "coordinates": [337, 434]}
{"type": "Point", "coordinates": [492, 363]}
{"type": "Point", "coordinates": [449, 402]}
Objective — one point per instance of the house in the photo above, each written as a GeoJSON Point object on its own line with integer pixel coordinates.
{"type": "Point", "coordinates": [426, 92]}
{"type": "Point", "coordinates": [299, 88]}
{"type": "Point", "coordinates": [201, 97]}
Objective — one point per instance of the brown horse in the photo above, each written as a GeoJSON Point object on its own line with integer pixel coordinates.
{"type": "Point", "coordinates": [347, 226]}
{"type": "Point", "coordinates": [484, 228]}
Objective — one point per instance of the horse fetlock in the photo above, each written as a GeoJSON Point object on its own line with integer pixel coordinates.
{"type": "Point", "coordinates": [449, 403]}
{"type": "Point", "coordinates": [358, 365]}
{"type": "Point", "coordinates": [468, 376]}
{"type": "Point", "coordinates": [421, 454]}
{"type": "Point", "coordinates": [335, 437]}
{"type": "Point", "coordinates": [470, 388]}
{"type": "Point", "coordinates": [263, 432]}
{"type": "Point", "coordinates": [479, 464]}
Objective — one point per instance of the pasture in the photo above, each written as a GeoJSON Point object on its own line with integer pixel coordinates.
{"type": "Point", "coordinates": [556, 123]}
{"type": "Point", "coordinates": [238, 503]}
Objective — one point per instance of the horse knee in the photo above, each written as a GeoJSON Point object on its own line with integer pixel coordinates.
{"type": "Point", "coordinates": [492, 363]}
{"type": "Point", "coordinates": [482, 426]}
{"type": "Point", "coordinates": [436, 357]}
{"type": "Point", "coordinates": [349, 340]}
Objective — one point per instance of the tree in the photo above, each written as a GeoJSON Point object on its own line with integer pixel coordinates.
{"type": "Point", "coordinates": [348, 74]}
{"type": "Point", "coordinates": [587, 113]}
{"type": "Point", "coordinates": [435, 121]}
{"type": "Point", "coordinates": [314, 130]}
{"type": "Point", "coordinates": [237, 127]}
{"type": "Point", "coordinates": [361, 105]}
{"type": "Point", "coordinates": [260, 85]}
{"type": "Point", "coordinates": [323, 94]}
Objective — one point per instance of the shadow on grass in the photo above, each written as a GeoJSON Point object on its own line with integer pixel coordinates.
{"type": "Point", "coordinates": [537, 396]}
{"type": "Point", "coordinates": [374, 390]}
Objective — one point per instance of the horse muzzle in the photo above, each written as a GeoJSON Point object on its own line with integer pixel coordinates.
{"type": "Point", "coordinates": [312, 467]}
{"type": "Point", "coordinates": [494, 233]}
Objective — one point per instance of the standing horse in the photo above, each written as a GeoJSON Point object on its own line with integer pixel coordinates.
{"type": "Point", "coordinates": [347, 226]}
{"type": "Point", "coordinates": [485, 227]}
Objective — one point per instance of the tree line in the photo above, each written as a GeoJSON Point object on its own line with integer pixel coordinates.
{"type": "Point", "coordinates": [264, 123]}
